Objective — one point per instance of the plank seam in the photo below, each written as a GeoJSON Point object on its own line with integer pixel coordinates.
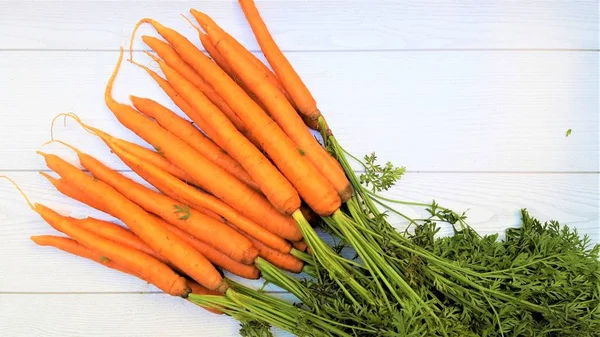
{"type": "Point", "coordinates": [333, 50]}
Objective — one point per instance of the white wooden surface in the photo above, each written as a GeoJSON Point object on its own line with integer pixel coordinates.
{"type": "Point", "coordinates": [473, 97]}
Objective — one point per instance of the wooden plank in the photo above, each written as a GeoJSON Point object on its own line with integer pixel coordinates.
{"type": "Point", "coordinates": [493, 201]}
{"type": "Point", "coordinates": [315, 25]}
{"type": "Point", "coordinates": [115, 315]}
{"type": "Point", "coordinates": [435, 111]}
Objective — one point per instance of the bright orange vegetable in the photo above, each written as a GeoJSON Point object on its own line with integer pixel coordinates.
{"type": "Point", "coordinates": [215, 256]}
{"type": "Point", "coordinates": [282, 112]}
{"type": "Point", "coordinates": [291, 81]}
{"type": "Point", "coordinates": [170, 56]}
{"type": "Point", "coordinates": [204, 19]}
{"type": "Point", "coordinates": [183, 256]}
{"type": "Point", "coordinates": [209, 176]}
{"type": "Point", "coordinates": [142, 264]}
{"type": "Point", "coordinates": [189, 134]}
{"type": "Point", "coordinates": [203, 227]}
{"type": "Point", "coordinates": [272, 183]}
{"type": "Point", "coordinates": [116, 233]}
{"type": "Point", "coordinates": [288, 157]}
{"type": "Point", "coordinates": [197, 199]}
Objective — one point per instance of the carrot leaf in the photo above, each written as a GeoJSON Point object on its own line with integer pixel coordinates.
{"type": "Point", "coordinates": [380, 177]}
{"type": "Point", "coordinates": [183, 210]}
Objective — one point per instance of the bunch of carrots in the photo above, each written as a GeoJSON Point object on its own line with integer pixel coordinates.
{"type": "Point", "coordinates": [239, 186]}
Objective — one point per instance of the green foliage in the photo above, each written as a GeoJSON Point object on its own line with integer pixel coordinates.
{"type": "Point", "coordinates": [379, 177]}
{"type": "Point", "coordinates": [255, 328]}
{"type": "Point", "coordinates": [184, 211]}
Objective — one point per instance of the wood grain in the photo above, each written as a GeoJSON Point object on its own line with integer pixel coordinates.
{"type": "Point", "coordinates": [438, 111]}
{"type": "Point", "coordinates": [115, 315]}
{"type": "Point", "coordinates": [493, 201]}
{"type": "Point", "coordinates": [315, 25]}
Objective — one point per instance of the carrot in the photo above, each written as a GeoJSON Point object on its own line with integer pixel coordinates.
{"type": "Point", "coordinates": [102, 228]}
{"type": "Point", "coordinates": [142, 224]}
{"type": "Point", "coordinates": [271, 220]}
{"type": "Point", "coordinates": [197, 199]}
{"type": "Point", "coordinates": [313, 187]}
{"type": "Point", "coordinates": [284, 261]}
{"type": "Point", "coordinates": [188, 133]}
{"type": "Point", "coordinates": [75, 248]}
{"type": "Point", "coordinates": [171, 57]}
{"type": "Point", "coordinates": [300, 245]}
{"type": "Point", "coordinates": [272, 183]}
{"type": "Point", "coordinates": [200, 290]}
{"type": "Point", "coordinates": [142, 264]}
{"type": "Point", "coordinates": [209, 176]}
{"type": "Point", "coordinates": [291, 81]}
{"type": "Point", "coordinates": [220, 61]}
{"type": "Point", "coordinates": [215, 256]}
{"type": "Point", "coordinates": [72, 192]}
{"type": "Point", "coordinates": [116, 233]}
{"type": "Point", "coordinates": [204, 19]}
{"type": "Point", "coordinates": [215, 55]}
{"type": "Point", "coordinates": [282, 112]}
{"type": "Point", "coordinates": [155, 157]}
{"type": "Point", "coordinates": [213, 232]}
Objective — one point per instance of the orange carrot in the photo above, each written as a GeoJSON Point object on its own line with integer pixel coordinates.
{"type": "Point", "coordinates": [291, 81]}
{"type": "Point", "coordinates": [182, 255]}
{"type": "Point", "coordinates": [209, 176]}
{"type": "Point", "coordinates": [300, 245]}
{"type": "Point", "coordinates": [204, 19]}
{"type": "Point", "coordinates": [290, 159]}
{"type": "Point", "coordinates": [213, 232]}
{"type": "Point", "coordinates": [188, 133]}
{"type": "Point", "coordinates": [215, 55]}
{"type": "Point", "coordinates": [219, 60]}
{"type": "Point", "coordinates": [157, 158]}
{"type": "Point", "coordinates": [272, 183]}
{"type": "Point", "coordinates": [167, 53]}
{"type": "Point", "coordinates": [116, 233]}
{"type": "Point", "coordinates": [269, 218]}
{"type": "Point", "coordinates": [149, 268]}
{"type": "Point", "coordinates": [284, 261]}
{"type": "Point", "coordinates": [102, 228]}
{"type": "Point", "coordinates": [215, 256]}
{"type": "Point", "coordinates": [73, 247]}
{"type": "Point", "coordinates": [283, 113]}
{"type": "Point", "coordinates": [197, 199]}
{"type": "Point", "coordinates": [72, 192]}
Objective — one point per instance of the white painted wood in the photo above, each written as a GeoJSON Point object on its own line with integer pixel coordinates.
{"type": "Point", "coordinates": [416, 81]}
{"type": "Point", "coordinates": [115, 315]}
{"type": "Point", "coordinates": [316, 25]}
{"type": "Point", "coordinates": [430, 111]}
{"type": "Point", "coordinates": [494, 201]}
